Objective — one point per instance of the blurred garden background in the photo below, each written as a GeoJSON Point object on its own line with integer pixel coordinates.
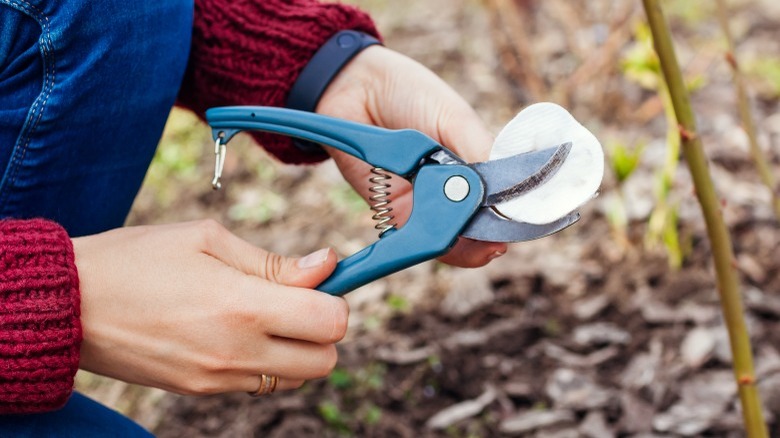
{"type": "Point", "coordinates": [610, 328]}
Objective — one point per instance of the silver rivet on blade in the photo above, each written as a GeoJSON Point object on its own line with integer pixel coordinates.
{"type": "Point", "coordinates": [456, 188]}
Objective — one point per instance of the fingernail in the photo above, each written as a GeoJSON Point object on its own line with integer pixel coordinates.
{"type": "Point", "coordinates": [313, 260]}
{"type": "Point", "coordinates": [496, 255]}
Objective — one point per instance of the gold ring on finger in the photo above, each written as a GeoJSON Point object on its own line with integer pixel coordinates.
{"type": "Point", "coordinates": [267, 386]}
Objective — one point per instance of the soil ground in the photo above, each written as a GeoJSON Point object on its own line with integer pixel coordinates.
{"type": "Point", "coordinates": [585, 333]}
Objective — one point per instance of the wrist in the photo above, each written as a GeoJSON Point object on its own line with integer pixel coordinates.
{"type": "Point", "coordinates": [318, 74]}
{"type": "Point", "coordinates": [357, 82]}
{"type": "Point", "coordinates": [325, 65]}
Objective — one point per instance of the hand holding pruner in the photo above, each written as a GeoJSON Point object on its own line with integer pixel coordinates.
{"type": "Point", "coordinates": [451, 198]}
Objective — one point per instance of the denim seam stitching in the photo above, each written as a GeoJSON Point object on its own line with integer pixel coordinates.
{"type": "Point", "coordinates": [30, 125]}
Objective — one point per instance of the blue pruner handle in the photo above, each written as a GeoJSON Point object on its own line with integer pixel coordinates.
{"type": "Point", "coordinates": [432, 229]}
{"type": "Point", "coordinates": [437, 217]}
{"type": "Point", "coordinates": [398, 151]}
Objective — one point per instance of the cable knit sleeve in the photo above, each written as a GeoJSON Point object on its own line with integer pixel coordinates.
{"type": "Point", "coordinates": [249, 52]}
{"type": "Point", "coordinates": [40, 331]}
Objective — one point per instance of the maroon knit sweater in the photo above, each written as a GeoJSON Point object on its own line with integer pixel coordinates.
{"type": "Point", "coordinates": [243, 52]}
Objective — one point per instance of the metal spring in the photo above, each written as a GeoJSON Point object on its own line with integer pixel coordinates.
{"type": "Point", "coordinates": [380, 200]}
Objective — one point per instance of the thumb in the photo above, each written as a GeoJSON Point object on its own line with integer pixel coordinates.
{"type": "Point", "coordinates": [307, 271]}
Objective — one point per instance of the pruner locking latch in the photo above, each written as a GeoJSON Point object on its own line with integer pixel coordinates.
{"type": "Point", "coordinates": [219, 161]}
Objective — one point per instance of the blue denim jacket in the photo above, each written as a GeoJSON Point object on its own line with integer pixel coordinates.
{"type": "Point", "coordinates": [85, 90]}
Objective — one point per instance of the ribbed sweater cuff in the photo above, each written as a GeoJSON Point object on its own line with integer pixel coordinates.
{"type": "Point", "coordinates": [40, 330]}
{"type": "Point", "coordinates": [250, 52]}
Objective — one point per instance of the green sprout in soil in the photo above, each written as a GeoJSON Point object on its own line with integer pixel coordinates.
{"type": "Point", "coordinates": [334, 416]}
{"type": "Point", "coordinates": [623, 161]}
{"type": "Point", "coordinates": [351, 410]}
{"type": "Point", "coordinates": [398, 303]}
{"type": "Point", "coordinates": [641, 65]}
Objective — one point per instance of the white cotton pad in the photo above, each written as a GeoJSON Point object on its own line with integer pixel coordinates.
{"type": "Point", "coordinates": [540, 126]}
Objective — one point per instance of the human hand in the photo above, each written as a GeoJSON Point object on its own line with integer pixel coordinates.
{"type": "Point", "coordinates": [384, 88]}
{"type": "Point", "coordinates": [193, 309]}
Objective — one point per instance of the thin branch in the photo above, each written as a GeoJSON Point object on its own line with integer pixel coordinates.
{"type": "Point", "coordinates": [508, 23]}
{"type": "Point", "coordinates": [598, 64]}
{"type": "Point", "coordinates": [722, 253]}
{"type": "Point", "coordinates": [745, 114]}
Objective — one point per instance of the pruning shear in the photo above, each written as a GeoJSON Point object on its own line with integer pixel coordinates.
{"type": "Point", "coordinates": [451, 198]}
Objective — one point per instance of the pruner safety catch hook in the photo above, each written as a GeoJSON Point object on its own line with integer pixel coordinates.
{"type": "Point", "coordinates": [219, 162]}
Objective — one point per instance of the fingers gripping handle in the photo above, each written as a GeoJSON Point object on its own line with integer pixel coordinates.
{"type": "Point", "coordinates": [399, 151]}
{"type": "Point", "coordinates": [432, 229]}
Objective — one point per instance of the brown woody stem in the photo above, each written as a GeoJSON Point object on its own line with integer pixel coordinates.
{"type": "Point", "coordinates": [745, 114]}
{"type": "Point", "coordinates": [722, 253]}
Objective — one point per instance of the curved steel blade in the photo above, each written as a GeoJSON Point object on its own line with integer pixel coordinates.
{"type": "Point", "coordinates": [510, 177]}
{"type": "Point", "coordinates": [487, 225]}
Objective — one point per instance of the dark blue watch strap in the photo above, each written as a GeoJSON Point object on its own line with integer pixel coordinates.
{"type": "Point", "coordinates": [323, 67]}
{"type": "Point", "coordinates": [326, 63]}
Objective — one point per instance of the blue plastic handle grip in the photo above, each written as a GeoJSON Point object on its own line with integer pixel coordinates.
{"type": "Point", "coordinates": [431, 230]}
{"type": "Point", "coordinates": [399, 151]}
{"type": "Point", "coordinates": [435, 221]}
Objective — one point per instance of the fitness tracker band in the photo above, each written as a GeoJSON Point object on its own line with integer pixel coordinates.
{"type": "Point", "coordinates": [326, 63]}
